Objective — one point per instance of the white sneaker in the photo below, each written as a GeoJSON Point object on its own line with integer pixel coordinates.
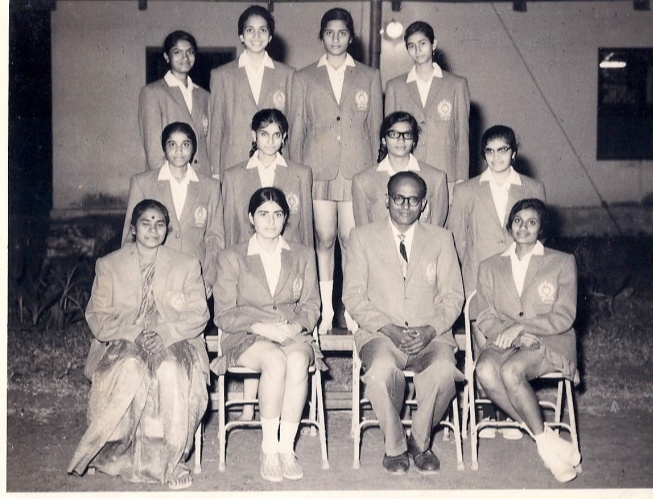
{"type": "Point", "coordinates": [487, 432]}
{"type": "Point", "coordinates": [290, 468]}
{"type": "Point", "coordinates": [511, 433]}
{"type": "Point", "coordinates": [270, 467]}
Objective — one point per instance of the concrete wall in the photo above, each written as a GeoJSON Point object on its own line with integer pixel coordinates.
{"type": "Point", "coordinates": [535, 71]}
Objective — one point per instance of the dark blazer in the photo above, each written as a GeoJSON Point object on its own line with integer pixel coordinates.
{"type": "Point", "coordinates": [444, 121]}
{"type": "Point", "coordinates": [375, 292]}
{"type": "Point", "coordinates": [232, 107]}
{"type": "Point", "coordinates": [369, 189]}
{"type": "Point", "coordinates": [238, 185]}
{"type": "Point", "coordinates": [331, 137]}
{"type": "Point", "coordinates": [546, 307]}
{"type": "Point", "coordinates": [158, 106]}
{"type": "Point", "coordinates": [200, 230]}
{"type": "Point", "coordinates": [242, 296]}
{"type": "Point", "coordinates": [477, 230]}
{"type": "Point", "coordinates": [178, 293]}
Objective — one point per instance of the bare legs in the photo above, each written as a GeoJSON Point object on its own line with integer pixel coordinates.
{"type": "Point", "coordinates": [505, 376]}
{"type": "Point", "coordinates": [331, 219]}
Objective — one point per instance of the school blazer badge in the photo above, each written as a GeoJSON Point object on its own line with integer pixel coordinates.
{"type": "Point", "coordinates": [177, 301]}
{"type": "Point", "coordinates": [205, 125]}
{"type": "Point", "coordinates": [293, 202]}
{"type": "Point", "coordinates": [297, 285]}
{"type": "Point", "coordinates": [362, 99]}
{"type": "Point", "coordinates": [200, 214]}
{"type": "Point", "coordinates": [430, 272]}
{"type": "Point", "coordinates": [279, 99]}
{"type": "Point", "coordinates": [547, 292]}
{"type": "Point", "coordinates": [444, 109]}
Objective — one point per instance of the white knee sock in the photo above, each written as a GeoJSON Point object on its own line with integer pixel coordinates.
{"type": "Point", "coordinates": [270, 428]}
{"type": "Point", "coordinates": [287, 434]}
{"type": "Point", "coordinates": [326, 295]}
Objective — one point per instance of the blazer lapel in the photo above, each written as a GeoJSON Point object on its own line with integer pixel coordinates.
{"type": "Point", "coordinates": [280, 177]}
{"type": "Point", "coordinates": [323, 79]}
{"type": "Point", "coordinates": [388, 249]}
{"type": "Point", "coordinates": [266, 83]}
{"type": "Point", "coordinates": [162, 267]}
{"type": "Point", "coordinates": [508, 278]}
{"type": "Point", "coordinates": [176, 94]}
{"type": "Point", "coordinates": [189, 204]}
{"type": "Point", "coordinates": [166, 194]}
{"type": "Point", "coordinates": [416, 250]}
{"type": "Point", "coordinates": [286, 262]}
{"type": "Point", "coordinates": [413, 92]}
{"type": "Point", "coordinates": [533, 268]}
{"type": "Point", "coordinates": [256, 266]}
{"type": "Point", "coordinates": [348, 84]}
{"type": "Point", "coordinates": [485, 194]}
{"type": "Point", "coordinates": [514, 195]}
{"type": "Point", "coordinates": [436, 86]}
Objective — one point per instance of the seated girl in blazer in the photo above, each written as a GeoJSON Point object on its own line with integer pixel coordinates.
{"type": "Point", "coordinates": [147, 312]}
{"type": "Point", "coordinates": [267, 304]}
{"type": "Point", "coordinates": [527, 306]}
{"type": "Point", "coordinates": [399, 136]}
{"type": "Point", "coordinates": [174, 98]}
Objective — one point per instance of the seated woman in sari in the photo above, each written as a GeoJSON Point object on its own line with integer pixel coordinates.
{"type": "Point", "coordinates": [527, 306]}
{"type": "Point", "coordinates": [148, 361]}
{"type": "Point", "coordinates": [266, 304]}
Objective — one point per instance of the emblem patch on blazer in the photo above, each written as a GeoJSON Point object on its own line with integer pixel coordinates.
{"type": "Point", "coordinates": [444, 109]}
{"type": "Point", "coordinates": [200, 216]}
{"type": "Point", "coordinates": [279, 99]}
{"type": "Point", "coordinates": [177, 301]}
{"type": "Point", "coordinates": [430, 272]}
{"type": "Point", "coordinates": [547, 292]}
{"type": "Point", "coordinates": [205, 124]}
{"type": "Point", "coordinates": [297, 285]}
{"type": "Point", "coordinates": [362, 99]}
{"type": "Point", "coordinates": [293, 202]}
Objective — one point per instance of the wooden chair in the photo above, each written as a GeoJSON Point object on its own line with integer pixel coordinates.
{"type": "Point", "coordinates": [564, 397]}
{"type": "Point", "coordinates": [359, 424]}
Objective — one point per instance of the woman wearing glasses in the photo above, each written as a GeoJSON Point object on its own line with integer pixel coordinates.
{"type": "Point", "coordinates": [399, 136]}
{"type": "Point", "coordinates": [336, 111]}
{"type": "Point", "coordinates": [479, 215]}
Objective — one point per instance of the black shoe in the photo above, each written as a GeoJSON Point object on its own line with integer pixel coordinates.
{"type": "Point", "coordinates": [425, 461]}
{"type": "Point", "coordinates": [396, 465]}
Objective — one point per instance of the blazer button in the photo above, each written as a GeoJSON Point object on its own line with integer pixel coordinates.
{"type": "Point", "coordinates": [406, 323]}
{"type": "Point", "coordinates": [177, 235]}
{"type": "Point", "coordinates": [195, 161]}
{"type": "Point", "coordinates": [338, 138]}
{"type": "Point", "coordinates": [274, 307]}
{"type": "Point", "coordinates": [521, 314]}
{"type": "Point", "coordinates": [338, 118]}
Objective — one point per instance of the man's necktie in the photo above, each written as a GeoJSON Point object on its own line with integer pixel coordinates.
{"type": "Point", "coordinates": [404, 255]}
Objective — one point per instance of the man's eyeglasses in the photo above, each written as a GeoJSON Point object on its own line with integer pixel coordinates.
{"type": "Point", "coordinates": [394, 134]}
{"type": "Point", "coordinates": [399, 200]}
{"type": "Point", "coordinates": [501, 150]}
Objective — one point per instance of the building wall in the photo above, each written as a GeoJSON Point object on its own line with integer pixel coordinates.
{"type": "Point", "coordinates": [535, 71]}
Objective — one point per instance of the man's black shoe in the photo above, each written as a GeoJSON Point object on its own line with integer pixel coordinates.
{"type": "Point", "coordinates": [425, 461]}
{"type": "Point", "coordinates": [396, 465]}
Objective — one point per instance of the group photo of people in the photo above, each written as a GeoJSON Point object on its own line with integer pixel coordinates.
{"type": "Point", "coordinates": [233, 224]}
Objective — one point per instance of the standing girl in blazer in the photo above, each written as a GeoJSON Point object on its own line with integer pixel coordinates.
{"type": "Point", "coordinates": [267, 168]}
{"type": "Point", "coordinates": [244, 86]}
{"type": "Point", "coordinates": [336, 113]}
{"type": "Point", "coordinates": [266, 305]}
{"type": "Point", "coordinates": [439, 101]}
{"type": "Point", "coordinates": [527, 306]}
{"type": "Point", "coordinates": [174, 98]}
{"type": "Point", "coordinates": [399, 137]}
{"type": "Point", "coordinates": [192, 198]}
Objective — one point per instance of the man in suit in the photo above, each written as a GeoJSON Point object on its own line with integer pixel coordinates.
{"type": "Point", "coordinates": [403, 287]}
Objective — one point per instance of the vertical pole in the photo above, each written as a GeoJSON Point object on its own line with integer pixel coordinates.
{"type": "Point", "coordinates": [374, 53]}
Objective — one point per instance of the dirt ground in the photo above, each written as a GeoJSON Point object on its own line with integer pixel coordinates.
{"type": "Point", "coordinates": [617, 451]}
